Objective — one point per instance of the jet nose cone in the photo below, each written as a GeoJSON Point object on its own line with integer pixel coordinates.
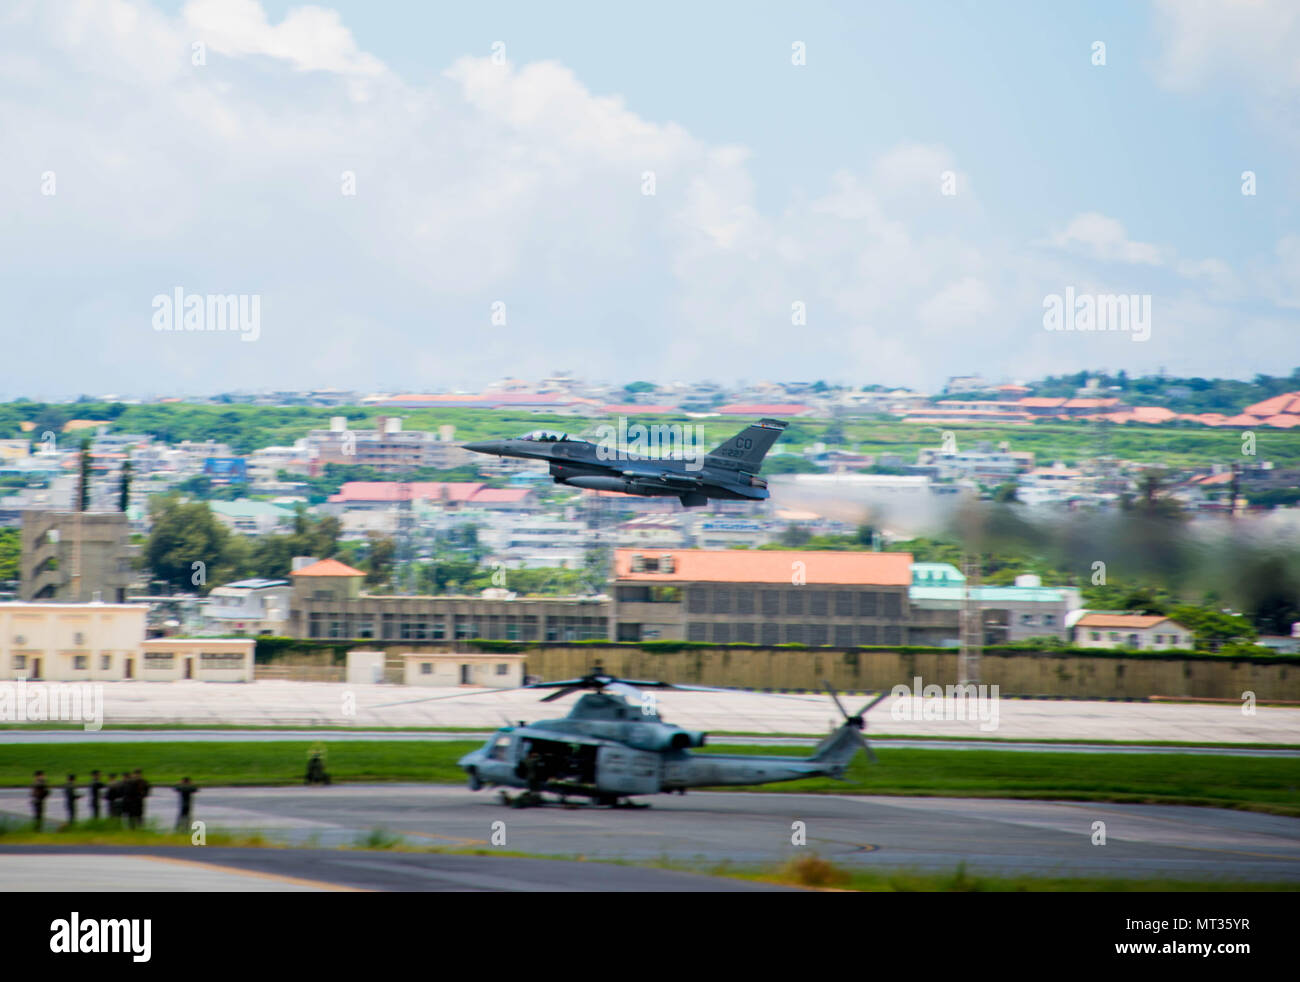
{"type": "Point", "coordinates": [484, 446]}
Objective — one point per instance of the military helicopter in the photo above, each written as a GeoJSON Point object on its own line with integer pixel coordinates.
{"type": "Point", "coordinates": [608, 749]}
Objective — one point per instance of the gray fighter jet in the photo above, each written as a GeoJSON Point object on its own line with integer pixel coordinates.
{"type": "Point", "coordinates": [730, 470]}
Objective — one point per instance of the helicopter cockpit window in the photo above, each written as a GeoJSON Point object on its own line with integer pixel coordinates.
{"type": "Point", "coordinates": [545, 436]}
{"type": "Point", "coordinates": [497, 751]}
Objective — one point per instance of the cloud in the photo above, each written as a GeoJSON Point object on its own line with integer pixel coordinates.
{"type": "Point", "coordinates": [1104, 238]}
{"type": "Point", "coordinates": [494, 183]}
{"type": "Point", "coordinates": [1253, 40]}
{"type": "Point", "coordinates": [309, 38]}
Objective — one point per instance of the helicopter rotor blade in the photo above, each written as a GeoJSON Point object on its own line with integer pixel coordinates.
{"type": "Point", "coordinates": [871, 754]}
{"type": "Point", "coordinates": [835, 696]}
{"type": "Point", "coordinates": [879, 696]}
{"type": "Point", "coordinates": [569, 690]}
{"type": "Point", "coordinates": [625, 689]}
{"type": "Point", "coordinates": [554, 685]}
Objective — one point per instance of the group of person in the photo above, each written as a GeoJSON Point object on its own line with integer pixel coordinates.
{"type": "Point", "coordinates": [124, 795]}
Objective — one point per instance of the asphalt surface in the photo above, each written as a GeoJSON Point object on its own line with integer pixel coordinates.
{"type": "Point", "coordinates": [274, 736]}
{"type": "Point", "coordinates": [989, 836]}
{"type": "Point", "coordinates": [220, 869]}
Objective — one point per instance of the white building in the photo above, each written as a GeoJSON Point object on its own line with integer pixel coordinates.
{"type": "Point", "coordinates": [498, 670]}
{"type": "Point", "coordinates": [96, 642]}
{"type": "Point", "coordinates": [249, 607]}
{"type": "Point", "coordinates": [1146, 632]}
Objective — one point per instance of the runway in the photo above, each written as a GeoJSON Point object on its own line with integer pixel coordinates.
{"type": "Point", "coordinates": [216, 870]}
{"type": "Point", "coordinates": [990, 836]}
{"type": "Point", "coordinates": [307, 705]}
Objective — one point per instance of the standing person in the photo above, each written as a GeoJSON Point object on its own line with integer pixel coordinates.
{"type": "Point", "coordinates": [39, 793]}
{"type": "Point", "coordinates": [187, 791]}
{"type": "Point", "coordinates": [96, 788]}
{"type": "Point", "coordinates": [113, 795]}
{"type": "Point", "coordinates": [143, 786]}
{"type": "Point", "coordinates": [131, 800]}
{"type": "Point", "coordinates": [70, 797]}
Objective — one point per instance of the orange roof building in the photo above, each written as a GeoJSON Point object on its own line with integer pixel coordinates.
{"type": "Point", "coordinates": [1150, 632]}
{"type": "Point", "coordinates": [1287, 402]}
{"type": "Point", "coordinates": [764, 566]}
{"type": "Point", "coordinates": [761, 596]}
{"type": "Point", "coordinates": [327, 567]}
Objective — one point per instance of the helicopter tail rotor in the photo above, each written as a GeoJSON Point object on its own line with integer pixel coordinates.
{"type": "Point", "coordinates": [857, 721]}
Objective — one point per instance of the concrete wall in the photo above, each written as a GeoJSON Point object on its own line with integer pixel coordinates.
{"type": "Point", "coordinates": [1102, 677]}
{"type": "Point", "coordinates": [1106, 676]}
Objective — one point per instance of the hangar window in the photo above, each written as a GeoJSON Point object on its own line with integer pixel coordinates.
{"type": "Point", "coordinates": [503, 669]}
{"type": "Point", "coordinates": [79, 662]}
{"type": "Point", "coordinates": [426, 668]}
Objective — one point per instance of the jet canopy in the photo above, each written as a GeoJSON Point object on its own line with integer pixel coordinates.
{"type": "Point", "coordinates": [545, 436]}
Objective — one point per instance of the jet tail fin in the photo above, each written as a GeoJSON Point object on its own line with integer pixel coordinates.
{"type": "Point", "coordinates": [745, 451]}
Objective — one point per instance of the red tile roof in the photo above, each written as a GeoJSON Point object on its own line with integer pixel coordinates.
{"type": "Point", "coordinates": [1133, 621]}
{"type": "Point", "coordinates": [1283, 420]}
{"type": "Point", "coordinates": [1287, 402]}
{"type": "Point", "coordinates": [633, 409]}
{"type": "Point", "coordinates": [1040, 402]}
{"type": "Point", "coordinates": [459, 491]}
{"type": "Point", "coordinates": [1090, 403]}
{"type": "Point", "coordinates": [499, 496]}
{"type": "Point", "coordinates": [763, 409]}
{"type": "Point", "coordinates": [327, 567]}
{"type": "Point", "coordinates": [772, 566]}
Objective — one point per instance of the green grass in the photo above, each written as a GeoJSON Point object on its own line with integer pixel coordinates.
{"type": "Point", "coordinates": [815, 872]}
{"type": "Point", "coordinates": [111, 832]}
{"type": "Point", "coordinates": [1258, 784]}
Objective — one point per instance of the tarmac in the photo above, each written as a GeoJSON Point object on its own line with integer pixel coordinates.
{"type": "Point", "coordinates": [316, 704]}
{"type": "Point", "coordinates": [96, 869]}
{"type": "Point", "coordinates": [987, 836]}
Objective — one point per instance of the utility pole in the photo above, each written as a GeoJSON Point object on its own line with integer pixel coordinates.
{"type": "Point", "coordinates": [971, 622]}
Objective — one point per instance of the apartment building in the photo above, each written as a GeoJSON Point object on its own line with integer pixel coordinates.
{"type": "Point", "coordinates": [75, 556]}
{"type": "Point", "coordinates": [327, 602]}
{"type": "Point", "coordinates": [762, 596]}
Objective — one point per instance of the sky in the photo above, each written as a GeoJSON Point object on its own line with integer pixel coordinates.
{"type": "Point", "coordinates": [432, 196]}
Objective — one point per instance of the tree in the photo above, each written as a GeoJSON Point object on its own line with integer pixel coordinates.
{"type": "Point", "coordinates": [1005, 493]}
{"type": "Point", "coordinates": [794, 536]}
{"type": "Point", "coordinates": [1212, 628]}
{"type": "Point", "coordinates": [187, 547]}
{"type": "Point", "coordinates": [595, 567]}
{"type": "Point", "coordinates": [124, 496]}
{"type": "Point", "coordinates": [379, 560]}
{"type": "Point", "coordinates": [83, 485]}
{"type": "Point", "coordinates": [10, 553]}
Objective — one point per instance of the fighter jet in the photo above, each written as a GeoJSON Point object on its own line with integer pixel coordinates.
{"type": "Point", "coordinates": [730, 470]}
